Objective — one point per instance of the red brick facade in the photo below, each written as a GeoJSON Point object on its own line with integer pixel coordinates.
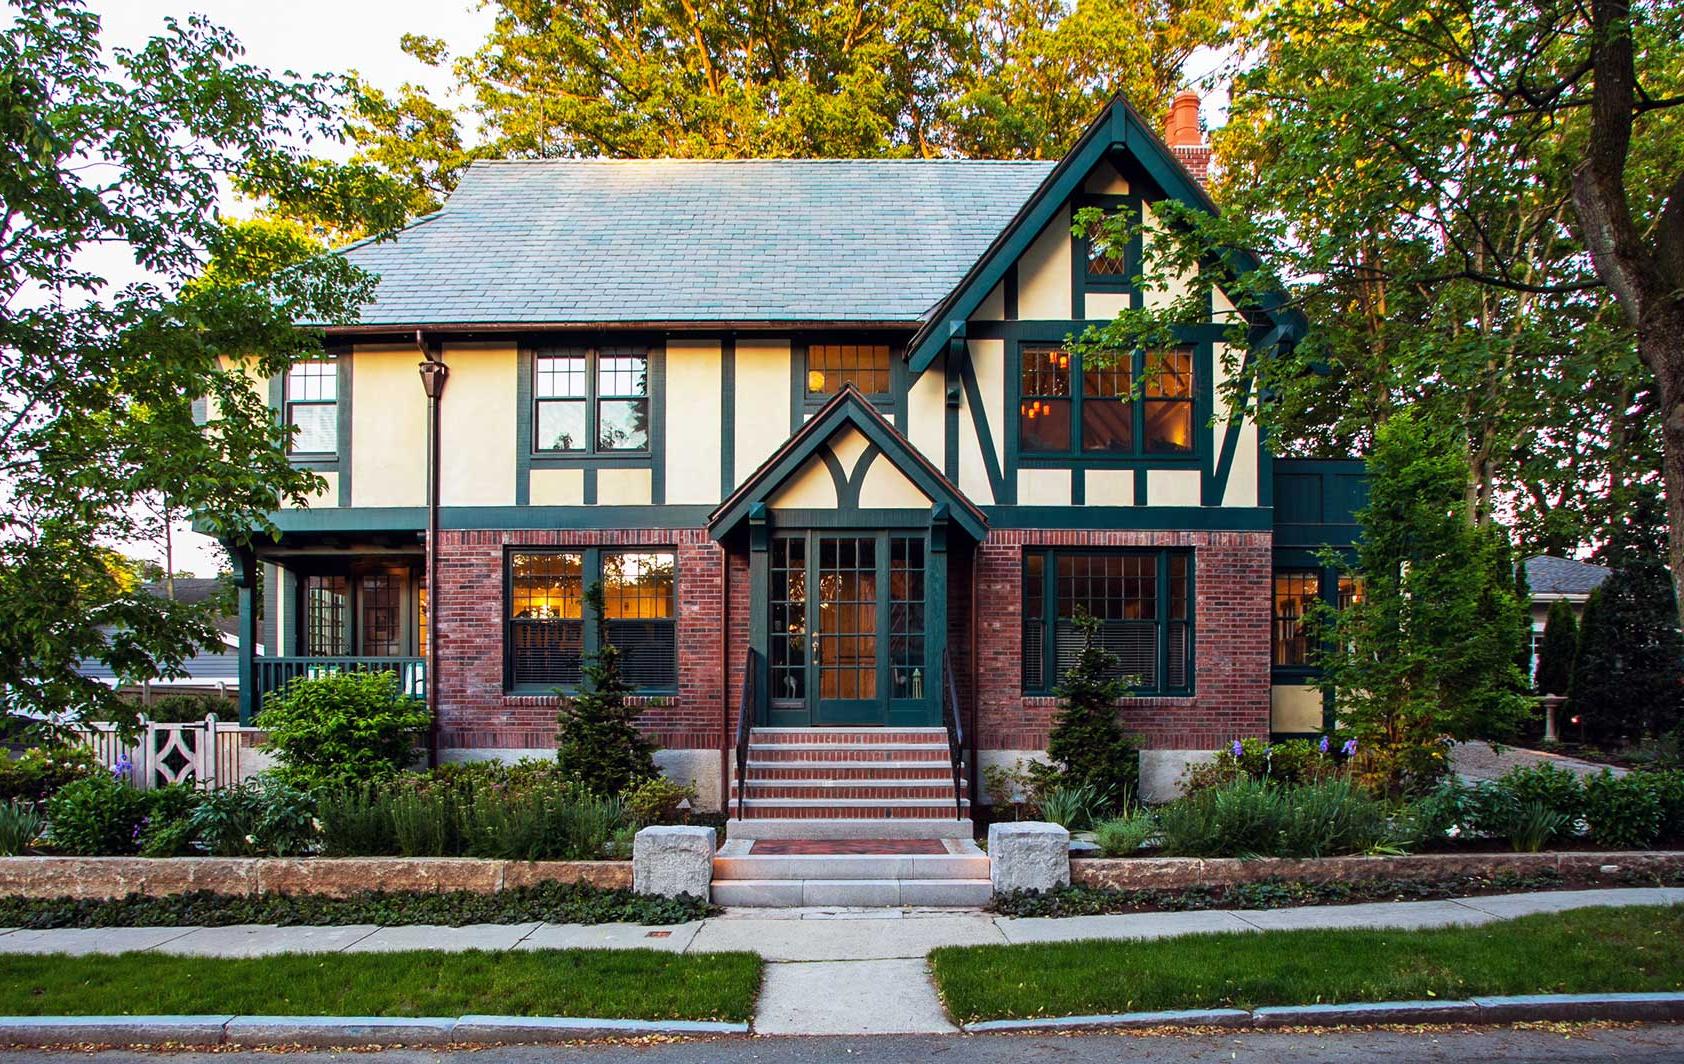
{"type": "Point", "coordinates": [1231, 579]}
{"type": "Point", "coordinates": [1231, 626]}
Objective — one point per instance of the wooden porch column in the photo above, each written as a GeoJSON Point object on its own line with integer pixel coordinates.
{"type": "Point", "coordinates": [245, 579]}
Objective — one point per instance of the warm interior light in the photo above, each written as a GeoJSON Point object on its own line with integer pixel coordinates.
{"type": "Point", "coordinates": [815, 380]}
{"type": "Point", "coordinates": [1064, 362]}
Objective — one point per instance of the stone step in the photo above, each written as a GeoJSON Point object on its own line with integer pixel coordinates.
{"type": "Point", "coordinates": [790, 893]}
{"type": "Point", "coordinates": [849, 736]}
{"type": "Point", "coordinates": [851, 809]}
{"type": "Point", "coordinates": [814, 752]}
{"type": "Point", "coordinates": [930, 826]}
{"type": "Point", "coordinates": [851, 770]}
{"type": "Point", "coordinates": [851, 866]}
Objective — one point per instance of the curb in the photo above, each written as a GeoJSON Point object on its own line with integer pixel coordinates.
{"type": "Point", "coordinates": [1513, 1009]}
{"type": "Point", "coordinates": [334, 1030]}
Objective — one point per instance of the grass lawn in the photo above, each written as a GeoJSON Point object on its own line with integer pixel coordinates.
{"type": "Point", "coordinates": [1580, 951]}
{"type": "Point", "coordinates": [617, 984]}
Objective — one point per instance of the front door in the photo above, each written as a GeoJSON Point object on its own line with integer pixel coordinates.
{"type": "Point", "coordinates": [847, 629]}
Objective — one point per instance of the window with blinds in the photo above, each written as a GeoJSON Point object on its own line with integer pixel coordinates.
{"type": "Point", "coordinates": [550, 630]}
{"type": "Point", "coordinates": [1142, 600]}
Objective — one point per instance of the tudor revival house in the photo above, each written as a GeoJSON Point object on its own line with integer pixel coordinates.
{"type": "Point", "coordinates": [813, 426]}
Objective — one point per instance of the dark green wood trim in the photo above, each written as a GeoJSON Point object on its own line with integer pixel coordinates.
{"type": "Point", "coordinates": [1078, 486]}
{"type": "Point", "coordinates": [727, 415]}
{"type": "Point", "coordinates": [590, 486]}
{"type": "Point", "coordinates": [797, 383]}
{"type": "Point", "coordinates": [353, 519]}
{"type": "Point", "coordinates": [979, 424]}
{"type": "Point", "coordinates": [1216, 480]}
{"type": "Point", "coordinates": [790, 519]}
{"type": "Point", "coordinates": [1141, 488]}
{"type": "Point", "coordinates": [658, 424]}
{"type": "Point", "coordinates": [1058, 331]}
{"type": "Point", "coordinates": [838, 475]}
{"type": "Point", "coordinates": [1008, 292]}
{"type": "Point", "coordinates": [245, 581]}
{"type": "Point", "coordinates": [951, 390]}
{"type": "Point", "coordinates": [848, 494]}
{"type": "Point", "coordinates": [523, 425]}
{"type": "Point", "coordinates": [759, 597]}
{"type": "Point", "coordinates": [1134, 518]}
{"type": "Point", "coordinates": [343, 370]}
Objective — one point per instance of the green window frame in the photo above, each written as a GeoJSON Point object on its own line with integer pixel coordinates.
{"type": "Point", "coordinates": [311, 394]}
{"type": "Point", "coordinates": [1069, 411]}
{"type": "Point", "coordinates": [549, 630]}
{"type": "Point", "coordinates": [591, 400]}
{"type": "Point", "coordinates": [1144, 600]}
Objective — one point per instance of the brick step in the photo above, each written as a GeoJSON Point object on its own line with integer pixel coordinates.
{"type": "Point", "coordinates": [812, 752]}
{"type": "Point", "coordinates": [850, 770]}
{"type": "Point", "coordinates": [848, 736]}
{"type": "Point", "coordinates": [851, 809]}
{"type": "Point", "coordinates": [932, 825]}
{"type": "Point", "coordinates": [844, 790]}
{"type": "Point", "coordinates": [792, 893]}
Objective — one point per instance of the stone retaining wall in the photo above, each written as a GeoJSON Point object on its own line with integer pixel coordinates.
{"type": "Point", "coordinates": [114, 877]}
{"type": "Point", "coordinates": [1133, 873]}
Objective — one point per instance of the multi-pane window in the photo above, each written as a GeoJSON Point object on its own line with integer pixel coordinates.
{"type": "Point", "coordinates": [590, 400]}
{"type": "Point", "coordinates": [1169, 401]}
{"type": "Point", "coordinates": [1105, 262]}
{"type": "Point", "coordinates": [312, 406]}
{"type": "Point", "coordinates": [639, 604]}
{"type": "Point", "coordinates": [327, 616]}
{"type": "Point", "coordinates": [382, 615]}
{"type": "Point", "coordinates": [1070, 409]}
{"type": "Point", "coordinates": [787, 644]}
{"type": "Point", "coordinates": [1141, 599]}
{"type": "Point", "coordinates": [906, 617]}
{"type": "Point", "coordinates": [1296, 593]}
{"type": "Point", "coordinates": [550, 631]}
{"type": "Point", "coordinates": [865, 366]}
{"type": "Point", "coordinates": [1044, 409]}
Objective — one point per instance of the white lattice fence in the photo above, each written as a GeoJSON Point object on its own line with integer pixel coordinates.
{"type": "Point", "coordinates": [206, 754]}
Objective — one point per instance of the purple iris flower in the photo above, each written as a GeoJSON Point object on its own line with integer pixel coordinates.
{"type": "Point", "coordinates": [1350, 748]}
{"type": "Point", "coordinates": [1323, 744]}
{"type": "Point", "coordinates": [1238, 749]}
{"type": "Point", "coordinates": [123, 767]}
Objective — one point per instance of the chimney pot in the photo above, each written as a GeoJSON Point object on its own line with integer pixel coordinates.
{"type": "Point", "coordinates": [1181, 129]}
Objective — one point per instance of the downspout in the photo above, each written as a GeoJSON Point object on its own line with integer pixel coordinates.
{"type": "Point", "coordinates": [433, 375]}
{"type": "Point", "coordinates": [975, 772]}
{"type": "Point", "coordinates": [726, 732]}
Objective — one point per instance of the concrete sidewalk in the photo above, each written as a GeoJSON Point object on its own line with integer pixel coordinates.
{"type": "Point", "coordinates": [829, 971]}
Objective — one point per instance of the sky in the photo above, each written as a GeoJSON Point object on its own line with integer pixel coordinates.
{"type": "Point", "coordinates": [310, 37]}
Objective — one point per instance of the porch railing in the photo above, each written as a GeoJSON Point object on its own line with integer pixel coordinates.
{"type": "Point", "coordinates": [271, 674]}
{"type": "Point", "coordinates": [955, 722]}
{"type": "Point", "coordinates": [745, 724]}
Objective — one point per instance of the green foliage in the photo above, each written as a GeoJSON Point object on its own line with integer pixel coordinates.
{"type": "Point", "coordinates": [342, 727]}
{"type": "Point", "coordinates": [599, 742]}
{"type": "Point", "coordinates": [1534, 826]}
{"type": "Point", "coordinates": [168, 829]}
{"type": "Point", "coordinates": [1074, 806]}
{"type": "Point", "coordinates": [38, 772]}
{"type": "Point", "coordinates": [1000, 79]}
{"type": "Point", "coordinates": [97, 815]}
{"type": "Point", "coordinates": [1428, 655]}
{"type": "Point", "coordinates": [1124, 836]}
{"type": "Point", "coordinates": [266, 818]}
{"type": "Point", "coordinates": [656, 801]}
{"type": "Point", "coordinates": [1557, 650]}
{"type": "Point", "coordinates": [1291, 762]}
{"type": "Point", "coordinates": [129, 150]}
{"type": "Point", "coordinates": [1628, 675]}
{"type": "Point", "coordinates": [20, 826]}
{"type": "Point", "coordinates": [191, 709]}
{"type": "Point", "coordinates": [1026, 781]}
{"type": "Point", "coordinates": [1257, 818]}
{"type": "Point", "coordinates": [1087, 743]}
{"type": "Point", "coordinates": [1628, 812]}
{"type": "Point", "coordinates": [562, 903]}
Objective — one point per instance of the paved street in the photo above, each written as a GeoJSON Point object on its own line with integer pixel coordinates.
{"type": "Point", "coordinates": [1644, 1044]}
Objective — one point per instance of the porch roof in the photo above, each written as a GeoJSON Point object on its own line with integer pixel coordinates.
{"type": "Point", "coordinates": [847, 407]}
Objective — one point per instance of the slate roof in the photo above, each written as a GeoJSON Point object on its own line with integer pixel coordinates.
{"type": "Point", "coordinates": [1563, 576]}
{"type": "Point", "coordinates": [616, 241]}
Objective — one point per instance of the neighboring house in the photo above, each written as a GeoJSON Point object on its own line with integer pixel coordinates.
{"type": "Point", "coordinates": [1559, 578]}
{"type": "Point", "coordinates": [813, 426]}
{"type": "Point", "coordinates": [208, 671]}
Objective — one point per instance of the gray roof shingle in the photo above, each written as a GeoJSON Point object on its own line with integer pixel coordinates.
{"type": "Point", "coordinates": [591, 240]}
{"type": "Point", "coordinates": [1547, 575]}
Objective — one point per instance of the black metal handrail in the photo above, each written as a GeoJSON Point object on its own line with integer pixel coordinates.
{"type": "Point", "coordinates": [745, 719]}
{"type": "Point", "coordinates": [951, 717]}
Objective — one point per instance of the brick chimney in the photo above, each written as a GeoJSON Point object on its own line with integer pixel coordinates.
{"type": "Point", "coordinates": [1182, 134]}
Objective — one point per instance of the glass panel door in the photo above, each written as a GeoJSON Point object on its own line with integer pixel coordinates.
{"type": "Point", "coordinates": [844, 638]}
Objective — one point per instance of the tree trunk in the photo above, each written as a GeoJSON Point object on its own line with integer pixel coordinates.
{"type": "Point", "coordinates": [1661, 344]}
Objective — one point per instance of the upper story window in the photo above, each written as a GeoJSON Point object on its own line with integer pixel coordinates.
{"type": "Point", "coordinates": [1067, 409]}
{"type": "Point", "coordinates": [312, 407]}
{"type": "Point", "coordinates": [1106, 266]}
{"type": "Point", "coordinates": [591, 400]}
{"type": "Point", "coordinates": [867, 367]}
